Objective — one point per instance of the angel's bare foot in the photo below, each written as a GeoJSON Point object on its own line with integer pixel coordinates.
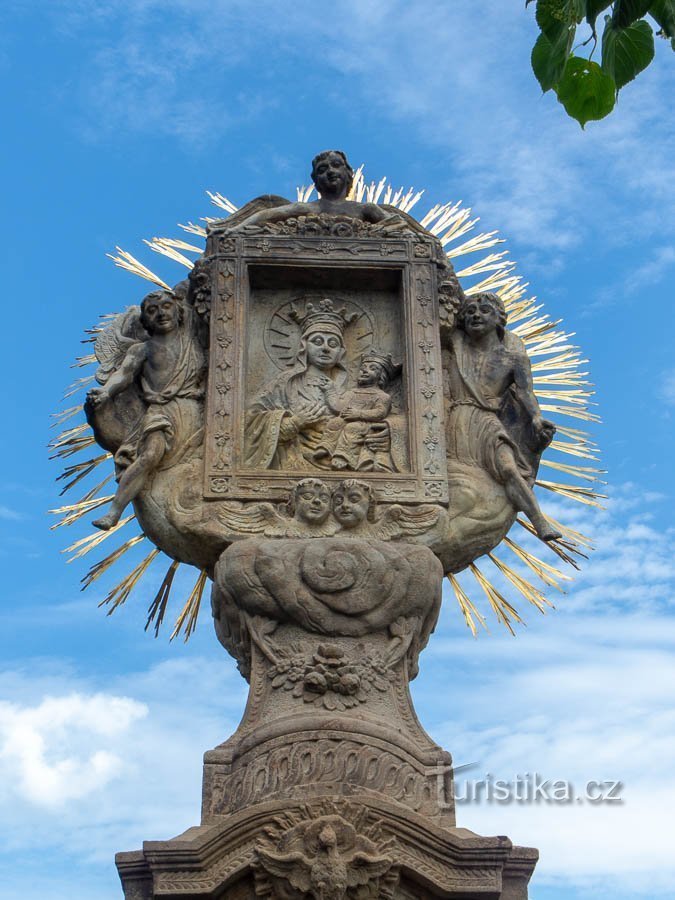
{"type": "Point", "coordinates": [339, 462]}
{"type": "Point", "coordinates": [545, 531]}
{"type": "Point", "coordinates": [109, 520]}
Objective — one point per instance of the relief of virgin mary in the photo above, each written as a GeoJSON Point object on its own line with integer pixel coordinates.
{"type": "Point", "coordinates": [286, 421]}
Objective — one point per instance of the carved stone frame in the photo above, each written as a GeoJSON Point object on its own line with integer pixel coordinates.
{"type": "Point", "coordinates": [413, 256]}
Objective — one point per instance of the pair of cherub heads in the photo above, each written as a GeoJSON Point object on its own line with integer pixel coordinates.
{"type": "Point", "coordinates": [351, 503]}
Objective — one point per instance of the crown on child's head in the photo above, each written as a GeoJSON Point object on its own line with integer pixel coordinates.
{"type": "Point", "coordinates": [382, 359]}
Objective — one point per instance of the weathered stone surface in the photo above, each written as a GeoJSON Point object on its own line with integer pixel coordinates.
{"type": "Point", "coordinates": [324, 422]}
{"type": "Point", "coordinates": [232, 857]}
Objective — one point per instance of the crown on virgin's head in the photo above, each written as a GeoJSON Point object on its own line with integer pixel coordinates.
{"type": "Point", "coordinates": [322, 315]}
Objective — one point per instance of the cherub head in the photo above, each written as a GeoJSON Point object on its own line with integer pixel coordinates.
{"type": "Point", "coordinates": [161, 312]}
{"type": "Point", "coordinates": [332, 174]}
{"type": "Point", "coordinates": [310, 501]}
{"type": "Point", "coordinates": [480, 313]}
{"type": "Point", "coordinates": [376, 368]}
{"type": "Point", "coordinates": [353, 503]}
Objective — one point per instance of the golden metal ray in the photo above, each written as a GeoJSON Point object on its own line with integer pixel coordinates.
{"type": "Point", "coordinates": [177, 244]}
{"type": "Point", "coordinates": [585, 472]}
{"type": "Point", "coordinates": [504, 611]}
{"type": "Point", "coordinates": [574, 492]}
{"type": "Point", "coordinates": [480, 242]}
{"type": "Point", "coordinates": [546, 572]}
{"type": "Point", "coordinates": [67, 436]}
{"type": "Point", "coordinates": [65, 415]}
{"type": "Point", "coordinates": [222, 202]}
{"type": "Point", "coordinates": [76, 510]}
{"type": "Point", "coordinates": [125, 260]}
{"type": "Point", "coordinates": [95, 539]}
{"type": "Point", "coordinates": [157, 608]}
{"type": "Point", "coordinates": [187, 619]}
{"type": "Point", "coordinates": [158, 246]}
{"type": "Point", "coordinates": [81, 470]}
{"type": "Point", "coordinates": [104, 564]}
{"type": "Point", "coordinates": [192, 228]}
{"type": "Point", "coordinates": [532, 594]}
{"type": "Point", "coordinates": [469, 610]}
{"type": "Point", "coordinates": [120, 593]}
{"type": "Point", "coordinates": [579, 449]}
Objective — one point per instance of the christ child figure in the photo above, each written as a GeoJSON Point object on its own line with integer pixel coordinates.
{"type": "Point", "coordinates": [359, 436]}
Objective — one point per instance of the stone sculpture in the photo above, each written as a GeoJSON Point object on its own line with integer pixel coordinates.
{"type": "Point", "coordinates": [361, 428]}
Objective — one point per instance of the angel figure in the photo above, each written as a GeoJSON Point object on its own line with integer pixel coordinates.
{"type": "Point", "coordinates": [332, 176]}
{"type": "Point", "coordinates": [489, 368]}
{"type": "Point", "coordinates": [167, 366]}
{"type": "Point", "coordinates": [355, 509]}
{"type": "Point", "coordinates": [307, 512]}
{"type": "Point", "coordinates": [359, 438]}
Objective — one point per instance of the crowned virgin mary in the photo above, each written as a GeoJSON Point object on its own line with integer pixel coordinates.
{"type": "Point", "coordinates": [286, 421]}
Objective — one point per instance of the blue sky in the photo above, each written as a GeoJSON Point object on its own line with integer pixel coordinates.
{"type": "Point", "coordinates": [117, 117]}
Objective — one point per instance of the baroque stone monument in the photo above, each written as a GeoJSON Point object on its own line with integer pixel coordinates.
{"type": "Point", "coordinates": [323, 421]}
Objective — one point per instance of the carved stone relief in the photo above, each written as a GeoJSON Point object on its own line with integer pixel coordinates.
{"type": "Point", "coordinates": [325, 857]}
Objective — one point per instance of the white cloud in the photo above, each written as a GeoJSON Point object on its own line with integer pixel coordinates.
{"type": "Point", "coordinates": [463, 86]}
{"type": "Point", "coordinates": [56, 752]}
{"type": "Point", "coordinates": [585, 693]}
{"type": "Point", "coordinates": [109, 768]}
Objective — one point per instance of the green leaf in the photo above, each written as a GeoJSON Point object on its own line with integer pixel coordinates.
{"type": "Point", "coordinates": [555, 16]}
{"type": "Point", "coordinates": [551, 17]}
{"type": "Point", "coordinates": [663, 11]}
{"type": "Point", "coordinates": [593, 10]}
{"type": "Point", "coordinates": [548, 59]}
{"type": "Point", "coordinates": [627, 51]}
{"type": "Point", "coordinates": [586, 91]}
{"type": "Point", "coordinates": [628, 11]}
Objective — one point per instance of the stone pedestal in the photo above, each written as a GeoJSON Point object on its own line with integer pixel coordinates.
{"type": "Point", "coordinates": [330, 788]}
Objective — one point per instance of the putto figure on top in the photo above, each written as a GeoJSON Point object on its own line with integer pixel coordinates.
{"type": "Point", "coordinates": [333, 177]}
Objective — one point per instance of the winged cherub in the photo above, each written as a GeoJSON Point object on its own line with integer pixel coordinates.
{"type": "Point", "coordinates": [168, 368]}
{"type": "Point", "coordinates": [355, 509]}
{"type": "Point", "coordinates": [307, 512]}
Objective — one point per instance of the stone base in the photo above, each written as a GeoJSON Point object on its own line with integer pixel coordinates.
{"type": "Point", "coordinates": [220, 860]}
{"type": "Point", "coordinates": [330, 789]}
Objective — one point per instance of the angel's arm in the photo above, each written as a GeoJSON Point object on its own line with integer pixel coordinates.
{"type": "Point", "coordinates": [522, 379]}
{"type": "Point", "coordinates": [275, 214]}
{"type": "Point", "coordinates": [131, 366]}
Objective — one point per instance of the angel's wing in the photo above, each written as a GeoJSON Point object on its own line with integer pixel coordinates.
{"type": "Point", "coordinates": [261, 518]}
{"type": "Point", "coordinates": [266, 201]}
{"type": "Point", "coordinates": [113, 342]}
{"type": "Point", "coordinates": [363, 868]}
{"type": "Point", "coordinates": [292, 867]}
{"type": "Point", "coordinates": [398, 521]}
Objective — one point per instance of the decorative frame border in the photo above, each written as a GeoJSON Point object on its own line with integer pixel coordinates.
{"type": "Point", "coordinates": [230, 256]}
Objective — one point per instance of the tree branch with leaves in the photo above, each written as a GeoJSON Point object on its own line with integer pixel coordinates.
{"type": "Point", "coordinates": [588, 89]}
